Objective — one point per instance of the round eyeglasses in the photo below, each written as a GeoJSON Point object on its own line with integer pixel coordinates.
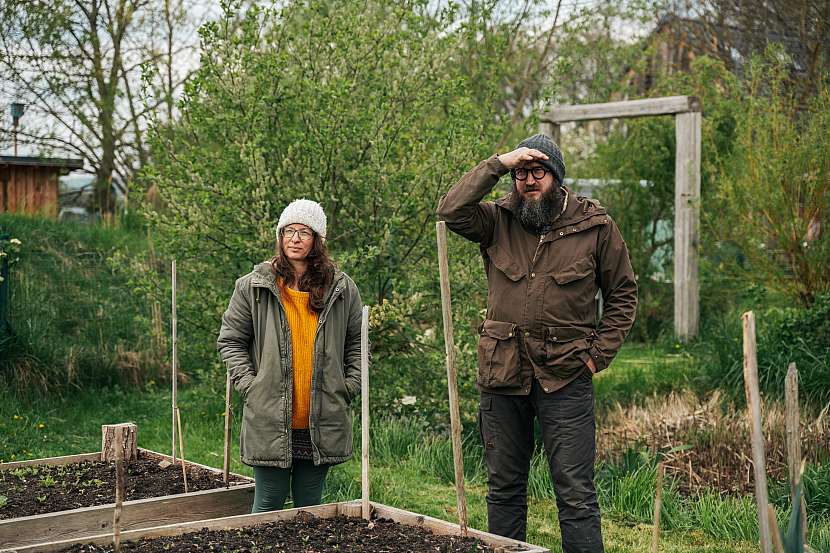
{"type": "Point", "coordinates": [520, 173]}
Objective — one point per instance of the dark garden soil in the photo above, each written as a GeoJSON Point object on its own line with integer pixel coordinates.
{"type": "Point", "coordinates": [34, 490]}
{"type": "Point", "coordinates": [306, 533]}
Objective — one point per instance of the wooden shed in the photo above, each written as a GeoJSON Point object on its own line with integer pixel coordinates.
{"type": "Point", "coordinates": [30, 184]}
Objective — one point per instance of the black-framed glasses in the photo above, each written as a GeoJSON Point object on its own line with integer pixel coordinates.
{"type": "Point", "coordinates": [302, 233]}
{"type": "Point", "coordinates": [520, 173]}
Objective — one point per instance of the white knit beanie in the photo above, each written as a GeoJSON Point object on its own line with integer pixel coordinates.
{"type": "Point", "coordinates": [305, 212]}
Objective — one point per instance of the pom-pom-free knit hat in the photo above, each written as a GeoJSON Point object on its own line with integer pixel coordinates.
{"type": "Point", "coordinates": [555, 163]}
{"type": "Point", "coordinates": [305, 212]}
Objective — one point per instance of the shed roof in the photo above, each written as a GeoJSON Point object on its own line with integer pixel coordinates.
{"type": "Point", "coordinates": [62, 163]}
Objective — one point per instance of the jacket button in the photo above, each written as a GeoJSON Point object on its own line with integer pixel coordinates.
{"type": "Point", "coordinates": [561, 233]}
{"type": "Point", "coordinates": [554, 338]}
{"type": "Point", "coordinates": [532, 275]}
{"type": "Point", "coordinates": [509, 334]}
{"type": "Point", "coordinates": [527, 333]}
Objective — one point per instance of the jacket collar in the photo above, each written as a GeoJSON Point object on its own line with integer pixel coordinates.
{"type": "Point", "coordinates": [575, 210]}
{"type": "Point", "coordinates": [263, 277]}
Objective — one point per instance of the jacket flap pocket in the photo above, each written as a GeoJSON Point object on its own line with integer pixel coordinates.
{"type": "Point", "coordinates": [565, 333]}
{"type": "Point", "coordinates": [498, 330]}
{"type": "Point", "coordinates": [579, 269]}
{"type": "Point", "coordinates": [504, 262]}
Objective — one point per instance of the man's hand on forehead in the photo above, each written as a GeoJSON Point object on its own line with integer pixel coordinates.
{"type": "Point", "coordinates": [521, 156]}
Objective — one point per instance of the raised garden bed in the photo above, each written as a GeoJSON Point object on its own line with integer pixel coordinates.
{"type": "Point", "coordinates": [332, 527]}
{"type": "Point", "coordinates": [73, 496]}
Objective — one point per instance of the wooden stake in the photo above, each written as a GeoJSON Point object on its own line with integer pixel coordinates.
{"type": "Point", "coordinates": [658, 506]}
{"type": "Point", "coordinates": [181, 447]}
{"type": "Point", "coordinates": [778, 546]}
{"type": "Point", "coordinates": [174, 359]}
{"type": "Point", "coordinates": [449, 345]}
{"type": "Point", "coordinates": [366, 509]}
{"type": "Point", "coordinates": [226, 463]}
{"type": "Point", "coordinates": [123, 435]}
{"type": "Point", "coordinates": [753, 402]}
{"type": "Point", "coordinates": [119, 492]}
{"type": "Point", "coordinates": [794, 459]}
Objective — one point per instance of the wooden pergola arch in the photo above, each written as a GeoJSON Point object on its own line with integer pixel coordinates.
{"type": "Point", "coordinates": [687, 116]}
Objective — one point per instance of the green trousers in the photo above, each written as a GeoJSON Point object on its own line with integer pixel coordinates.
{"type": "Point", "coordinates": [303, 479]}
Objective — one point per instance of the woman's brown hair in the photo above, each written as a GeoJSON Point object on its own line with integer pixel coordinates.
{"type": "Point", "coordinates": [318, 275]}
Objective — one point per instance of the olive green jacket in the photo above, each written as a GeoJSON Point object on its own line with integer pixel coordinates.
{"type": "Point", "coordinates": [255, 344]}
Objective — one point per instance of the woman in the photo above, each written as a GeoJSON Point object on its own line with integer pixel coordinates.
{"type": "Point", "coordinates": [290, 339]}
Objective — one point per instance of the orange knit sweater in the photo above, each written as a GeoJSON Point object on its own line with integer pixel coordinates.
{"type": "Point", "coordinates": [303, 324]}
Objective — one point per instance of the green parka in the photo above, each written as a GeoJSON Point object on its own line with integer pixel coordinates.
{"type": "Point", "coordinates": [255, 344]}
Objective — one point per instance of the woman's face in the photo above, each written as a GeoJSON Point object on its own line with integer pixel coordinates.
{"type": "Point", "coordinates": [297, 240]}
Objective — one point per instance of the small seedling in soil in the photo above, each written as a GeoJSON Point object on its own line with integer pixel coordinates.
{"type": "Point", "coordinates": [88, 484]}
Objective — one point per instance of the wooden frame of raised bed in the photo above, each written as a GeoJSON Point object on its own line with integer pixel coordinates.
{"type": "Point", "coordinates": [30, 532]}
{"type": "Point", "coordinates": [348, 508]}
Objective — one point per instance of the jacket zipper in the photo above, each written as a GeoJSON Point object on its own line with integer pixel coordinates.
{"type": "Point", "coordinates": [320, 321]}
{"type": "Point", "coordinates": [538, 245]}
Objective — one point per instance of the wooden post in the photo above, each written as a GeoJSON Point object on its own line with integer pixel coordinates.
{"type": "Point", "coordinates": [115, 436]}
{"type": "Point", "coordinates": [794, 459]}
{"type": "Point", "coordinates": [753, 402]}
{"type": "Point", "coordinates": [174, 360]}
{"type": "Point", "coordinates": [658, 506]}
{"type": "Point", "coordinates": [777, 545]}
{"type": "Point", "coordinates": [550, 129]}
{"type": "Point", "coordinates": [686, 224]}
{"type": "Point", "coordinates": [181, 447]}
{"type": "Point", "coordinates": [364, 415]}
{"type": "Point", "coordinates": [449, 346]}
{"type": "Point", "coordinates": [226, 459]}
{"type": "Point", "coordinates": [119, 491]}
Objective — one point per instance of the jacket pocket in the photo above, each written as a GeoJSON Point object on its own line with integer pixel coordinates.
{"type": "Point", "coordinates": [498, 355]}
{"type": "Point", "coordinates": [576, 271]}
{"type": "Point", "coordinates": [563, 346]}
{"type": "Point", "coordinates": [501, 258]}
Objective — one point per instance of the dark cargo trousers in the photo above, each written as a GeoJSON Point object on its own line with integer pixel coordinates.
{"type": "Point", "coordinates": [566, 419]}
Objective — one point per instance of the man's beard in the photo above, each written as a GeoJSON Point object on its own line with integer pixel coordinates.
{"type": "Point", "coordinates": [535, 215]}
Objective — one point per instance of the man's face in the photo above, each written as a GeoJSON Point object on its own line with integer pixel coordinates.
{"type": "Point", "coordinates": [531, 188]}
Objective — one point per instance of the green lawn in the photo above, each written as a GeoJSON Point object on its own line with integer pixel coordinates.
{"type": "Point", "coordinates": [50, 427]}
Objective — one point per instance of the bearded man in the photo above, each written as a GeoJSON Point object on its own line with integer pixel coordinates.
{"type": "Point", "coordinates": [546, 253]}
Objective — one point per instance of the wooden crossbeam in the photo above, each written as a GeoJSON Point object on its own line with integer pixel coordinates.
{"type": "Point", "coordinates": [670, 105]}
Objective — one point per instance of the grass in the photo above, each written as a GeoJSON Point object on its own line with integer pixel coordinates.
{"type": "Point", "coordinates": [75, 320]}
{"type": "Point", "coordinates": [411, 469]}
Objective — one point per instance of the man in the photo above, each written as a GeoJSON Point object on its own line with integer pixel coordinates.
{"type": "Point", "coordinates": [546, 254]}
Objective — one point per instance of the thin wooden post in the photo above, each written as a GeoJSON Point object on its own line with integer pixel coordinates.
{"type": "Point", "coordinates": [777, 545]}
{"type": "Point", "coordinates": [364, 415]}
{"type": "Point", "coordinates": [449, 346]}
{"type": "Point", "coordinates": [174, 360]}
{"type": "Point", "coordinates": [794, 459]}
{"type": "Point", "coordinates": [658, 506]}
{"type": "Point", "coordinates": [119, 492]}
{"type": "Point", "coordinates": [181, 447]}
{"type": "Point", "coordinates": [753, 402]}
{"type": "Point", "coordinates": [226, 458]}
{"type": "Point", "coordinates": [686, 224]}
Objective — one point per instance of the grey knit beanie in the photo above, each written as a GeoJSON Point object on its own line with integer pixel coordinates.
{"type": "Point", "coordinates": [306, 212]}
{"type": "Point", "coordinates": [555, 163]}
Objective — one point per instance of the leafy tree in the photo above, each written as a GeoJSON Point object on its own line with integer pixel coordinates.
{"type": "Point", "coordinates": [775, 193]}
{"type": "Point", "coordinates": [78, 66]}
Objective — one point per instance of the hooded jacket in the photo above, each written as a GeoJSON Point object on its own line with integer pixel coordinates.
{"type": "Point", "coordinates": [255, 345]}
{"type": "Point", "coordinates": [542, 313]}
